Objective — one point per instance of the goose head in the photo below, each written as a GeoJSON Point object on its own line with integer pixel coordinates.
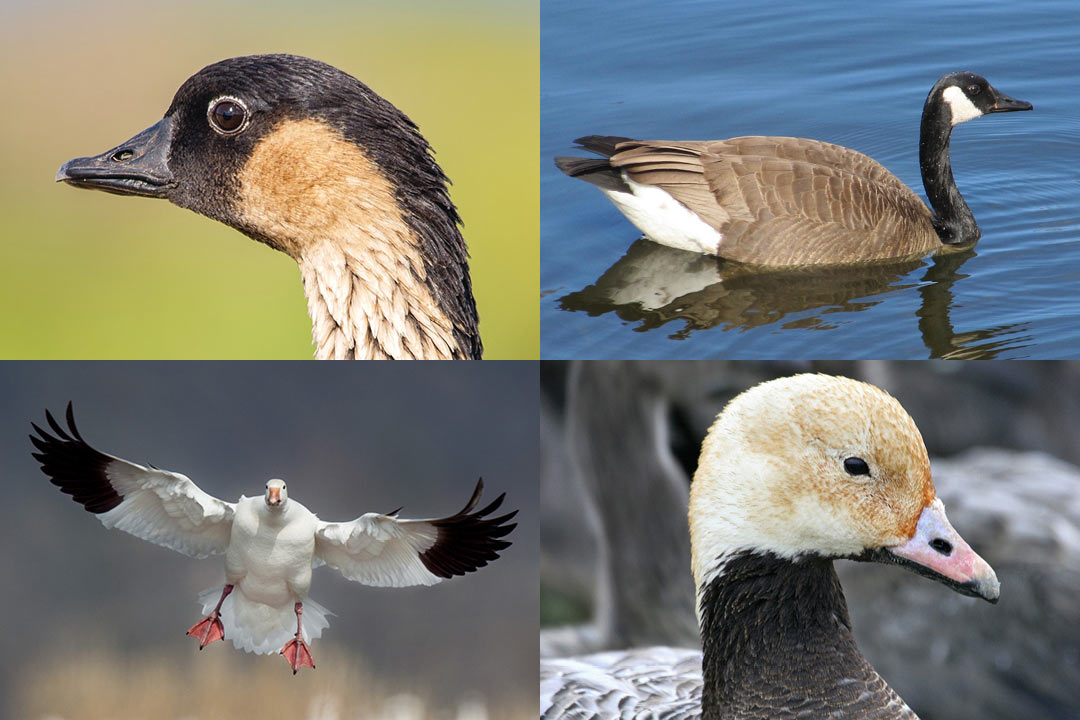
{"type": "Point", "coordinates": [276, 495]}
{"type": "Point", "coordinates": [955, 98]}
{"type": "Point", "coordinates": [263, 143]}
{"type": "Point", "coordinates": [822, 466]}
{"type": "Point", "coordinates": [968, 96]}
{"type": "Point", "coordinates": [310, 161]}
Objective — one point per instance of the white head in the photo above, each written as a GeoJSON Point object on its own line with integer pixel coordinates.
{"type": "Point", "coordinates": [276, 494]}
{"type": "Point", "coordinates": [821, 465]}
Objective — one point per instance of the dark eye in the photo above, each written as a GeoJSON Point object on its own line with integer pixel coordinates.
{"type": "Point", "coordinates": [856, 466]}
{"type": "Point", "coordinates": [974, 89]}
{"type": "Point", "coordinates": [943, 547]}
{"type": "Point", "coordinates": [228, 116]}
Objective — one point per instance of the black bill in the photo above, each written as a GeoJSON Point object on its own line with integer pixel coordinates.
{"type": "Point", "coordinates": [1004, 103]}
{"type": "Point", "coordinates": [137, 167]}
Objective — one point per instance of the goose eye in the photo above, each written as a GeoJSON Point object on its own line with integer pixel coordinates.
{"type": "Point", "coordinates": [974, 89]}
{"type": "Point", "coordinates": [227, 116]}
{"type": "Point", "coordinates": [856, 466]}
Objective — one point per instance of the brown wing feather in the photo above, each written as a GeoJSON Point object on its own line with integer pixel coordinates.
{"type": "Point", "coordinates": [786, 201]}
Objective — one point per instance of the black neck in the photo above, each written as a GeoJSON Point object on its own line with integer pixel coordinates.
{"type": "Point", "coordinates": [772, 629]}
{"type": "Point", "coordinates": [953, 220]}
{"type": "Point", "coordinates": [434, 220]}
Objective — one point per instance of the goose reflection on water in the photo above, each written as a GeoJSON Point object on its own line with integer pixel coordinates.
{"type": "Point", "coordinates": [653, 285]}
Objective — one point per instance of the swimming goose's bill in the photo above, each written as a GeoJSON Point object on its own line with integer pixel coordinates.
{"type": "Point", "coordinates": [792, 201]}
{"type": "Point", "coordinates": [271, 543]}
{"type": "Point", "coordinates": [794, 474]}
{"type": "Point", "coordinates": [307, 159]}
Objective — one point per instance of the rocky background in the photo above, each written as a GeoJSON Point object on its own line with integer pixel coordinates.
{"type": "Point", "coordinates": [619, 442]}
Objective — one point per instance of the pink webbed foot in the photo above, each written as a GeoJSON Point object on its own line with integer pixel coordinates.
{"type": "Point", "coordinates": [297, 653]}
{"type": "Point", "coordinates": [207, 630]}
{"type": "Point", "coordinates": [210, 628]}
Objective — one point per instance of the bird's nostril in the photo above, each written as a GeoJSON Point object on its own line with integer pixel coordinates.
{"type": "Point", "coordinates": [942, 546]}
{"type": "Point", "coordinates": [122, 155]}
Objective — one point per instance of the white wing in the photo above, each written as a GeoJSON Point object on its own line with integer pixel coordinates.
{"type": "Point", "coordinates": [163, 507]}
{"type": "Point", "coordinates": [384, 551]}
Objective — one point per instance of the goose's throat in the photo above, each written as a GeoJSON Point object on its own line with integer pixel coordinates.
{"type": "Point", "coordinates": [308, 191]}
{"type": "Point", "coordinates": [771, 622]}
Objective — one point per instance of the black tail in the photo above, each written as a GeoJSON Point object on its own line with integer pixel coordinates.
{"type": "Point", "coordinates": [601, 144]}
{"type": "Point", "coordinates": [597, 172]}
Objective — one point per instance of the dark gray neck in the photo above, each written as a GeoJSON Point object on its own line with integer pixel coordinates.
{"type": "Point", "coordinates": [776, 636]}
{"type": "Point", "coordinates": [953, 220]}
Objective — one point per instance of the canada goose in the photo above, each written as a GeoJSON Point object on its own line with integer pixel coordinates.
{"type": "Point", "coordinates": [792, 201]}
{"type": "Point", "coordinates": [794, 473]}
{"type": "Point", "coordinates": [271, 543]}
{"type": "Point", "coordinates": [303, 157]}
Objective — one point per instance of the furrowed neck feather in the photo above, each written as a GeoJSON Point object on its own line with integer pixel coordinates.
{"type": "Point", "coordinates": [372, 305]}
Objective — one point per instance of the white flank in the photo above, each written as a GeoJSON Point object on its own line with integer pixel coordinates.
{"type": "Point", "coordinates": [960, 105]}
{"type": "Point", "coordinates": [664, 219]}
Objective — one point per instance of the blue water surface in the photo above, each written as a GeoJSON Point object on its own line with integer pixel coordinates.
{"type": "Point", "coordinates": [855, 74]}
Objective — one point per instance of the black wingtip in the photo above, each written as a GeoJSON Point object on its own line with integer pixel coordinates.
{"type": "Point", "coordinates": [468, 540]}
{"type": "Point", "coordinates": [70, 413]}
{"type": "Point", "coordinates": [73, 465]}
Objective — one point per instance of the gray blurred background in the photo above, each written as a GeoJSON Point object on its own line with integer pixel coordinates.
{"type": "Point", "coordinates": [95, 619]}
{"type": "Point", "coordinates": [619, 444]}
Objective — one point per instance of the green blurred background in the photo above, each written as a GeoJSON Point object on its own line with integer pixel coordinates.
{"type": "Point", "coordinates": [91, 275]}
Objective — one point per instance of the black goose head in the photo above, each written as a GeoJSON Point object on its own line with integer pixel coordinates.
{"type": "Point", "coordinates": [967, 96]}
{"type": "Point", "coordinates": [289, 150]}
{"type": "Point", "coordinates": [955, 98]}
{"type": "Point", "coordinates": [196, 155]}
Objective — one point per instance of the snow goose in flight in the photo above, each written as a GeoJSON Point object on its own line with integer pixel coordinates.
{"type": "Point", "coordinates": [270, 543]}
{"type": "Point", "coordinates": [793, 474]}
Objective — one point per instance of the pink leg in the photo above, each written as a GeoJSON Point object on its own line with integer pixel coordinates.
{"type": "Point", "coordinates": [296, 650]}
{"type": "Point", "coordinates": [209, 628]}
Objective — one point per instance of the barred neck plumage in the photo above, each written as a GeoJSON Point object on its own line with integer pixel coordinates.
{"type": "Point", "coordinates": [777, 638]}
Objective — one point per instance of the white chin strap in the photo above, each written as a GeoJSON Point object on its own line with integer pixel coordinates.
{"type": "Point", "coordinates": [960, 105]}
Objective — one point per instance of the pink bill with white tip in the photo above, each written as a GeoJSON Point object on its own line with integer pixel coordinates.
{"type": "Point", "coordinates": [938, 547]}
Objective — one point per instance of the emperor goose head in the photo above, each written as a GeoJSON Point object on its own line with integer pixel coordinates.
{"type": "Point", "coordinates": [785, 201]}
{"type": "Point", "coordinates": [307, 159]}
{"type": "Point", "coordinates": [795, 473]}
